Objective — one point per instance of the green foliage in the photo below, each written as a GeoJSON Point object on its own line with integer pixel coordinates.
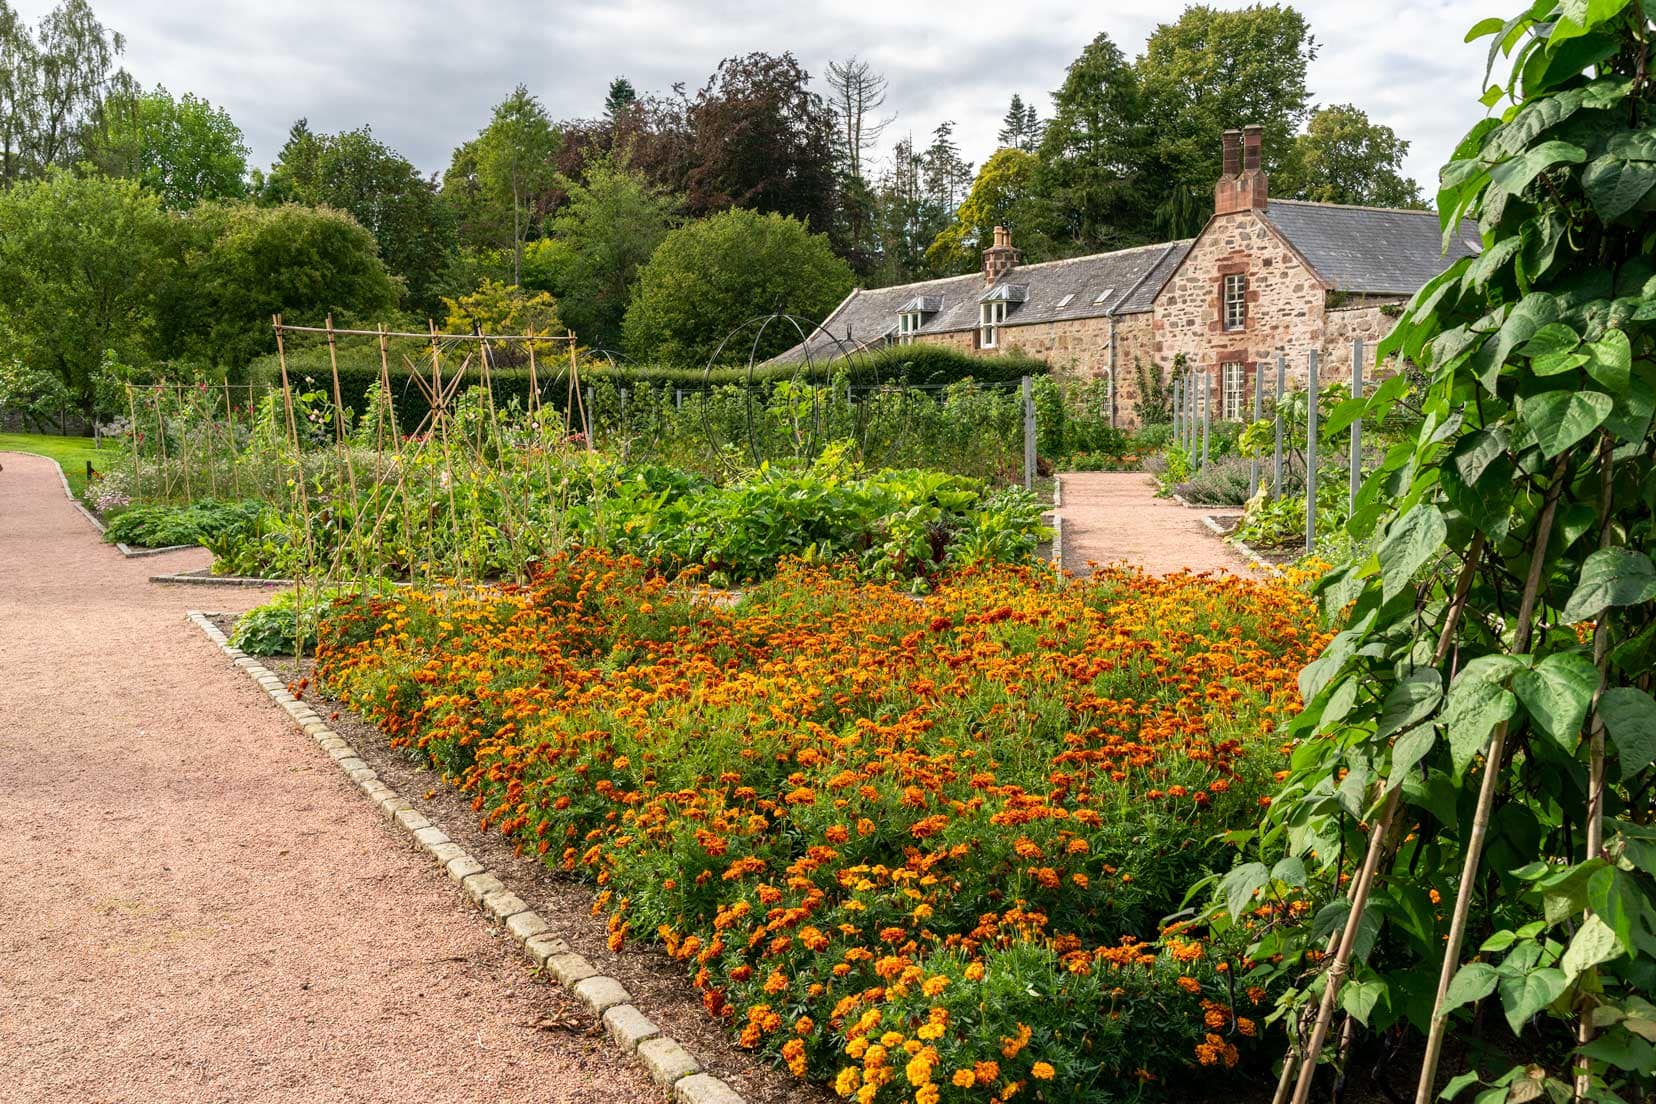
{"type": "Point", "coordinates": [239, 265]}
{"type": "Point", "coordinates": [164, 526]}
{"type": "Point", "coordinates": [606, 230]}
{"type": "Point", "coordinates": [997, 198]}
{"type": "Point", "coordinates": [53, 83]}
{"type": "Point", "coordinates": [1493, 761]}
{"type": "Point", "coordinates": [1344, 158]}
{"type": "Point", "coordinates": [357, 173]}
{"type": "Point", "coordinates": [513, 166]}
{"type": "Point", "coordinates": [709, 277]}
{"type": "Point", "coordinates": [1206, 73]}
{"type": "Point", "coordinates": [286, 625]}
{"type": "Point", "coordinates": [184, 150]}
{"type": "Point", "coordinates": [80, 259]}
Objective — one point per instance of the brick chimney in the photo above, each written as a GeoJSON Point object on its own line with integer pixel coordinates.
{"type": "Point", "coordinates": [1242, 182]}
{"type": "Point", "coordinates": [1000, 258]}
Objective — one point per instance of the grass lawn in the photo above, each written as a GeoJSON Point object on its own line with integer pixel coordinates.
{"type": "Point", "coordinates": [71, 453]}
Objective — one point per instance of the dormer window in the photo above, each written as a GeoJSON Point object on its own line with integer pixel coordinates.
{"type": "Point", "coordinates": [991, 316]}
{"type": "Point", "coordinates": [908, 324]}
{"type": "Point", "coordinates": [914, 314]}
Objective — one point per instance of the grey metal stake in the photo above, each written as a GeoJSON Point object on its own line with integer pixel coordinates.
{"type": "Point", "coordinates": [678, 398]}
{"type": "Point", "coordinates": [1357, 425]}
{"type": "Point", "coordinates": [1207, 414]}
{"type": "Point", "coordinates": [1178, 397]}
{"type": "Point", "coordinates": [1259, 412]}
{"type": "Point", "coordinates": [1029, 433]}
{"type": "Point", "coordinates": [591, 413]}
{"type": "Point", "coordinates": [1281, 382]}
{"type": "Point", "coordinates": [1311, 452]}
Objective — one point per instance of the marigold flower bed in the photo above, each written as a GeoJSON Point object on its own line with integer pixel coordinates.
{"type": "Point", "coordinates": [921, 850]}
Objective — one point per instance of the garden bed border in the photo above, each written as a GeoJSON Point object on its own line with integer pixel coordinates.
{"type": "Point", "coordinates": [667, 1063]}
{"type": "Point", "coordinates": [126, 550]}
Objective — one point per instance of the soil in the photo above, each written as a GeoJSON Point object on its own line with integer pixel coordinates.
{"type": "Point", "coordinates": [196, 905]}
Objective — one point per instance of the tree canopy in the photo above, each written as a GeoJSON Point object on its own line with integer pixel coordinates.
{"type": "Point", "coordinates": [711, 276]}
{"type": "Point", "coordinates": [1344, 158]}
{"type": "Point", "coordinates": [184, 150]}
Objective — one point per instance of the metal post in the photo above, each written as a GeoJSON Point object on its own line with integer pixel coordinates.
{"type": "Point", "coordinates": [1029, 433]}
{"type": "Point", "coordinates": [1259, 412]}
{"type": "Point", "coordinates": [1178, 397]}
{"type": "Point", "coordinates": [591, 413]}
{"type": "Point", "coordinates": [1281, 382]}
{"type": "Point", "coordinates": [1207, 414]}
{"type": "Point", "coordinates": [678, 398]}
{"type": "Point", "coordinates": [1357, 425]}
{"type": "Point", "coordinates": [1311, 452]}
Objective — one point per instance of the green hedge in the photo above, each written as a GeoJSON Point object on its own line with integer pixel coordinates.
{"type": "Point", "coordinates": [359, 367]}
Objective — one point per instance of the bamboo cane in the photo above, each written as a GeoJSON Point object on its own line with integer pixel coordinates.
{"type": "Point", "coordinates": [137, 452]}
{"type": "Point", "coordinates": [1341, 943]}
{"type": "Point", "coordinates": [1486, 796]}
{"type": "Point", "coordinates": [1595, 753]}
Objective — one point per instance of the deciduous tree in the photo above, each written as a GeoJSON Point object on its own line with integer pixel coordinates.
{"type": "Point", "coordinates": [184, 150]}
{"type": "Point", "coordinates": [709, 277]}
{"type": "Point", "coordinates": [1344, 158]}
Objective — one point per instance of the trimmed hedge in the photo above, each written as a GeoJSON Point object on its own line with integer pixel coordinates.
{"type": "Point", "coordinates": [359, 368]}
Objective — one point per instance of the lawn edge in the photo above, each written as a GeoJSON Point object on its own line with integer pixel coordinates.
{"type": "Point", "coordinates": [663, 1059]}
{"type": "Point", "coordinates": [124, 549]}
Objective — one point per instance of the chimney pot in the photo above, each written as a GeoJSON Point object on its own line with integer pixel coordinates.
{"type": "Point", "coordinates": [1231, 142]}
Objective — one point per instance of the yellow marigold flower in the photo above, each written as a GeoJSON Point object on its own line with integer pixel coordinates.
{"type": "Point", "coordinates": [1042, 1071]}
{"type": "Point", "coordinates": [918, 1071]}
{"type": "Point", "coordinates": [845, 1083]}
{"type": "Point", "coordinates": [963, 1079]}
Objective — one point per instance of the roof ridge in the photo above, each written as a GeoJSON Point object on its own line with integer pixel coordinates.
{"type": "Point", "coordinates": [1350, 207]}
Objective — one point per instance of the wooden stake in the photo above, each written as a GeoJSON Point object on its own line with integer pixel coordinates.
{"type": "Point", "coordinates": [1493, 758]}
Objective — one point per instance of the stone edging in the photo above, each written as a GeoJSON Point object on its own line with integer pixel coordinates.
{"type": "Point", "coordinates": [97, 523]}
{"type": "Point", "coordinates": [667, 1063]}
{"type": "Point", "coordinates": [218, 580]}
{"type": "Point", "coordinates": [1241, 546]}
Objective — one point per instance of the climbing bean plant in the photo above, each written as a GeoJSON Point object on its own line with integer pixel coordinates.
{"type": "Point", "coordinates": [1463, 849]}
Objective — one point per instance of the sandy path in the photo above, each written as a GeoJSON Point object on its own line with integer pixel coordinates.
{"type": "Point", "coordinates": [1116, 516]}
{"type": "Point", "coordinates": [194, 904]}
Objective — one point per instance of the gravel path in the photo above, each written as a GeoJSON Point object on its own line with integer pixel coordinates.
{"type": "Point", "coordinates": [196, 906]}
{"type": "Point", "coordinates": [1114, 517]}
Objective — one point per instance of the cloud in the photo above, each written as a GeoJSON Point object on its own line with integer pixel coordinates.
{"type": "Point", "coordinates": [425, 75]}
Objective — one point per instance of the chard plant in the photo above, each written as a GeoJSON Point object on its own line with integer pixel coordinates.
{"type": "Point", "coordinates": [1464, 847]}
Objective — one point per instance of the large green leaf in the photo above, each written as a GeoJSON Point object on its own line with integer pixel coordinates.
{"type": "Point", "coordinates": [1472, 982]}
{"type": "Point", "coordinates": [1556, 693]}
{"type": "Point", "coordinates": [1629, 715]}
{"type": "Point", "coordinates": [1610, 577]}
{"type": "Point", "coordinates": [1577, 17]}
{"type": "Point", "coordinates": [1615, 895]}
{"type": "Point", "coordinates": [1410, 542]}
{"type": "Point", "coordinates": [1410, 701]}
{"type": "Point", "coordinates": [1514, 174]}
{"type": "Point", "coordinates": [1242, 883]}
{"type": "Point", "coordinates": [1410, 748]}
{"type": "Point", "coordinates": [1558, 419]}
{"type": "Point", "coordinates": [1360, 998]}
{"type": "Point", "coordinates": [1474, 707]}
{"type": "Point", "coordinates": [1594, 943]}
{"type": "Point", "coordinates": [1525, 994]}
{"type": "Point", "coordinates": [1615, 186]}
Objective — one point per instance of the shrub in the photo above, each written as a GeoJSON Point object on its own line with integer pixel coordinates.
{"type": "Point", "coordinates": [887, 836]}
{"type": "Point", "coordinates": [1219, 482]}
{"type": "Point", "coordinates": [164, 526]}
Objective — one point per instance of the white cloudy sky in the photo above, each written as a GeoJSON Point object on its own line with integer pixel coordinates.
{"type": "Point", "coordinates": [425, 75]}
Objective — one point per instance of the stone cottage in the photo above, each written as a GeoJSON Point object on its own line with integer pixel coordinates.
{"type": "Point", "coordinates": [1263, 277]}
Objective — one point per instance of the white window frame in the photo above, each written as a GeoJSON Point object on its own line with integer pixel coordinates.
{"type": "Point", "coordinates": [1103, 296]}
{"type": "Point", "coordinates": [1233, 301]}
{"type": "Point", "coordinates": [1233, 390]}
{"type": "Point", "coordinates": [991, 317]}
{"type": "Point", "coordinates": [1066, 300]}
{"type": "Point", "coordinates": [908, 325]}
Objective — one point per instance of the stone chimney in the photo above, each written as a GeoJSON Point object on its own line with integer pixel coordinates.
{"type": "Point", "coordinates": [1242, 182]}
{"type": "Point", "coordinates": [1000, 258]}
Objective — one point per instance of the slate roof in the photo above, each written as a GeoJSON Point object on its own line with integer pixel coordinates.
{"type": "Point", "coordinates": [1365, 250]}
{"type": "Point", "coordinates": [1370, 250]}
{"type": "Point", "coordinates": [1130, 277]}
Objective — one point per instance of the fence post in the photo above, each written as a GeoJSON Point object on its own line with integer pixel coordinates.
{"type": "Point", "coordinates": [591, 415]}
{"type": "Point", "coordinates": [1259, 412]}
{"type": "Point", "coordinates": [1311, 452]}
{"type": "Point", "coordinates": [678, 398]}
{"type": "Point", "coordinates": [1276, 409]}
{"type": "Point", "coordinates": [1357, 425]}
{"type": "Point", "coordinates": [1207, 414]}
{"type": "Point", "coordinates": [1029, 433]}
{"type": "Point", "coordinates": [1178, 397]}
